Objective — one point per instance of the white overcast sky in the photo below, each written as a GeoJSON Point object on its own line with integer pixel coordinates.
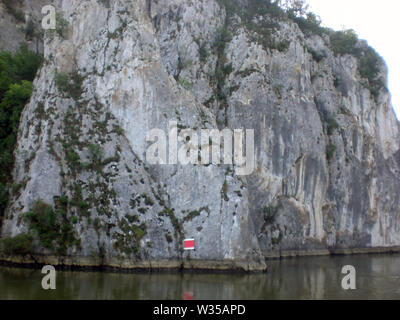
{"type": "Point", "coordinates": [377, 21]}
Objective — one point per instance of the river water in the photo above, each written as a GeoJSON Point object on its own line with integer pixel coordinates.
{"type": "Point", "coordinates": [377, 277]}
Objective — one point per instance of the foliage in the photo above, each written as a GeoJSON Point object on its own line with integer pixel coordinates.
{"type": "Point", "coordinates": [71, 84]}
{"type": "Point", "coordinates": [3, 196]}
{"type": "Point", "coordinates": [222, 38]}
{"type": "Point", "coordinates": [43, 219]}
{"type": "Point", "coordinates": [169, 237]}
{"type": "Point", "coordinates": [256, 18]}
{"type": "Point", "coordinates": [283, 46]}
{"type": "Point", "coordinates": [61, 25]}
{"type": "Point", "coordinates": [17, 13]}
{"type": "Point", "coordinates": [332, 124]}
{"type": "Point", "coordinates": [317, 57]}
{"type": "Point", "coordinates": [343, 42]}
{"type": "Point", "coordinates": [18, 245]}
{"type": "Point", "coordinates": [73, 158]}
{"type": "Point", "coordinates": [265, 7]}
{"type": "Point", "coordinates": [297, 8]}
{"type": "Point", "coordinates": [186, 83]}
{"type": "Point", "coordinates": [64, 200]}
{"type": "Point", "coordinates": [222, 72]}
{"type": "Point", "coordinates": [62, 80]}
{"type": "Point", "coordinates": [83, 204]}
{"type": "Point", "coordinates": [11, 106]}
{"type": "Point", "coordinates": [330, 151]}
{"type": "Point", "coordinates": [336, 82]}
{"type": "Point", "coordinates": [16, 75]}
{"type": "Point", "coordinates": [368, 65]}
{"type": "Point", "coordinates": [23, 65]}
{"type": "Point", "coordinates": [309, 25]}
{"type": "Point", "coordinates": [139, 232]}
{"type": "Point", "coordinates": [51, 227]}
{"type": "Point", "coordinates": [173, 218]}
{"type": "Point", "coordinates": [96, 153]}
{"type": "Point", "coordinates": [231, 7]}
{"type": "Point", "coordinates": [203, 52]}
{"type": "Point", "coordinates": [269, 213]}
{"type": "Point", "coordinates": [30, 29]}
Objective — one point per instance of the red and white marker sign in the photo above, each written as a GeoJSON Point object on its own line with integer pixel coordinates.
{"type": "Point", "coordinates": [188, 244]}
{"type": "Point", "coordinates": [188, 295]}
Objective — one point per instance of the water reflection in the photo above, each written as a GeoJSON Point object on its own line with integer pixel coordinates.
{"type": "Point", "coordinates": [378, 277]}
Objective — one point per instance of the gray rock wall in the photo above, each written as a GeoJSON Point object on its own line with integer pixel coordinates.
{"type": "Point", "coordinates": [146, 63]}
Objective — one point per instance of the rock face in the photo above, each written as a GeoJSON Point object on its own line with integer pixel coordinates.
{"type": "Point", "coordinates": [327, 152]}
{"type": "Point", "coordinates": [19, 23]}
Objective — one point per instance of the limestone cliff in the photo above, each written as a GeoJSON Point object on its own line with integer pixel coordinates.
{"type": "Point", "coordinates": [326, 144]}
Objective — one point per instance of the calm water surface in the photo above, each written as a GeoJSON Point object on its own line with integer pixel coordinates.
{"type": "Point", "coordinates": [378, 277]}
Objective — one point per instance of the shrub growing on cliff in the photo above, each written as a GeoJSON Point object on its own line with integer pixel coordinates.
{"type": "Point", "coordinates": [222, 38]}
{"type": "Point", "coordinates": [16, 13]}
{"type": "Point", "coordinates": [185, 83]}
{"type": "Point", "coordinates": [283, 46]}
{"type": "Point", "coordinates": [71, 84]}
{"type": "Point", "coordinates": [309, 25]}
{"type": "Point", "coordinates": [343, 42]}
{"type": "Point", "coordinates": [203, 52]}
{"type": "Point", "coordinates": [30, 29]}
{"type": "Point", "coordinates": [3, 196]}
{"type": "Point", "coordinates": [18, 245]}
{"type": "Point", "coordinates": [317, 57]}
{"type": "Point", "coordinates": [43, 220]}
{"type": "Point", "coordinates": [62, 80]}
{"type": "Point", "coordinates": [336, 82]}
{"type": "Point", "coordinates": [61, 26]}
{"type": "Point", "coordinates": [332, 124]}
{"type": "Point", "coordinates": [269, 213]}
{"type": "Point", "coordinates": [23, 65]}
{"type": "Point", "coordinates": [96, 153]}
{"type": "Point", "coordinates": [368, 65]}
{"type": "Point", "coordinates": [53, 230]}
{"type": "Point", "coordinates": [64, 200]}
{"type": "Point", "coordinates": [330, 151]}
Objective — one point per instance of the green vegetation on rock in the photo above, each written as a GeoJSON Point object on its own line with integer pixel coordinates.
{"type": "Point", "coordinates": [18, 245]}
{"type": "Point", "coordinates": [342, 42]}
{"type": "Point", "coordinates": [11, 5]}
{"type": "Point", "coordinates": [16, 75]}
{"type": "Point", "coordinates": [70, 84]}
{"type": "Point", "coordinates": [332, 124]}
{"type": "Point", "coordinates": [270, 212]}
{"type": "Point", "coordinates": [51, 227]}
{"type": "Point", "coordinates": [330, 151]}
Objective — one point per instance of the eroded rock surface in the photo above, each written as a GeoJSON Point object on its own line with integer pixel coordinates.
{"type": "Point", "coordinates": [141, 64]}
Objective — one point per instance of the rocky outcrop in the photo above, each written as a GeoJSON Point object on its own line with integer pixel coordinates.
{"type": "Point", "coordinates": [327, 150]}
{"type": "Point", "coordinates": [20, 22]}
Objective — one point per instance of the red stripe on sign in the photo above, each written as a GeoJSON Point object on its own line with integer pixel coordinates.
{"type": "Point", "coordinates": [188, 296]}
{"type": "Point", "coordinates": [189, 244]}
